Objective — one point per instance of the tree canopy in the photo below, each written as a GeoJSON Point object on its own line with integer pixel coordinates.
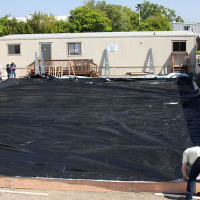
{"type": "Point", "coordinates": [95, 17]}
{"type": "Point", "coordinates": [149, 10]}
{"type": "Point", "coordinates": [85, 19]}
{"type": "Point", "coordinates": [12, 26]}
{"type": "Point", "coordinates": [122, 18]}
{"type": "Point", "coordinates": [157, 23]}
{"type": "Point", "coordinates": [42, 23]}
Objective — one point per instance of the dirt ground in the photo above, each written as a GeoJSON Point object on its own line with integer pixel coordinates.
{"type": "Point", "coordinates": [76, 195]}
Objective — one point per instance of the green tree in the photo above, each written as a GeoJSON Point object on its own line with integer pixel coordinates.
{"type": "Point", "coordinates": [11, 26]}
{"type": "Point", "coordinates": [101, 5]}
{"type": "Point", "coordinates": [3, 22]}
{"type": "Point", "coordinates": [157, 23]}
{"type": "Point", "coordinates": [85, 19]}
{"type": "Point", "coordinates": [39, 23]}
{"type": "Point", "coordinates": [90, 4]}
{"type": "Point", "coordinates": [122, 18]}
{"type": "Point", "coordinates": [133, 17]}
{"type": "Point", "coordinates": [65, 26]}
{"type": "Point", "coordinates": [94, 17]}
{"type": "Point", "coordinates": [149, 10]}
{"type": "Point", "coordinates": [42, 23]}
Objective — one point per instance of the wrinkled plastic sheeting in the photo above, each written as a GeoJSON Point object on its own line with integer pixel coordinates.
{"type": "Point", "coordinates": [116, 129]}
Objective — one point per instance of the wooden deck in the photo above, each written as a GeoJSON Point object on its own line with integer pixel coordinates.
{"type": "Point", "coordinates": [83, 67]}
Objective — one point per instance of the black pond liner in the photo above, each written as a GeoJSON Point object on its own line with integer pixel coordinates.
{"type": "Point", "coordinates": [117, 129]}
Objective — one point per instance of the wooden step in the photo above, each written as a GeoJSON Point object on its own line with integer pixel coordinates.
{"type": "Point", "coordinates": [181, 69]}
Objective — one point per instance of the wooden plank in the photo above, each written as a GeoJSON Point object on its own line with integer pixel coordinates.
{"type": "Point", "coordinates": [172, 62]}
{"type": "Point", "coordinates": [197, 187]}
{"type": "Point", "coordinates": [179, 52]}
{"type": "Point", "coordinates": [92, 185]}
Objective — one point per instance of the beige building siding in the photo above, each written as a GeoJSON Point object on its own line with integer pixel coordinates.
{"type": "Point", "coordinates": [132, 54]}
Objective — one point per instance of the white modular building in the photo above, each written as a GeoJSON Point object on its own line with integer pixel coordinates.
{"type": "Point", "coordinates": [191, 27]}
{"type": "Point", "coordinates": [120, 53]}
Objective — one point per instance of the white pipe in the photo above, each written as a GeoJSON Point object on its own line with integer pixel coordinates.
{"type": "Point", "coordinates": [8, 191]}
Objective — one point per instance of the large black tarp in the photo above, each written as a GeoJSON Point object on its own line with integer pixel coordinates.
{"type": "Point", "coordinates": [120, 129]}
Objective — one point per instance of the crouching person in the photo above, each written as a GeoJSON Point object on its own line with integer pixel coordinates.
{"type": "Point", "coordinates": [0, 73]}
{"type": "Point", "coordinates": [191, 156]}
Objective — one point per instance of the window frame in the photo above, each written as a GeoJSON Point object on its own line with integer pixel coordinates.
{"type": "Point", "coordinates": [74, 43]}
{"type": "Point", "coordinates": [179, 46]}
{"type": "Point", "coordinates": [186, 28]}
{"type": "Point", "coordinates": [15, 53]}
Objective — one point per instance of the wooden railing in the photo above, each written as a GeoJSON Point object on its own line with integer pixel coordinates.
{"type": "Point", "coordinates": [66, 67]}
{"type": "Point", "coordinates": [180, 68]}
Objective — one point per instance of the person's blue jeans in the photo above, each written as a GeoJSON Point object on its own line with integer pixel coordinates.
{"type": "Point", "coordinates": [13, 74]}
{"type": "Point", "coordinates": [195, 170]}
{"type": "Point", "coordinates": [9, 75]}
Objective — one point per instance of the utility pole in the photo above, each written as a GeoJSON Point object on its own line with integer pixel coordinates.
{"type": "Point", "coordinates": [138, 7]}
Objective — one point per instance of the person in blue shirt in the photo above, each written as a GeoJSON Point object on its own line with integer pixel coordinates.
{"type": "Point", "coordinates": [13, 69]}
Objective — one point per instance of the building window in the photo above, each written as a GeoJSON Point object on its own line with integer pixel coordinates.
{"type": "Point", "coordinates": [14, 49]}
{"type": "Point", "coordinates": [186, 28]}
{"type": "Point", "coordinates": [179, 46]}
{"type": "Point", "coordinates": [74, 48]}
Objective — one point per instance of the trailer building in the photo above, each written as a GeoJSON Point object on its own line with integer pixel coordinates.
{"type": "Point", "coordinates": [120, 53]}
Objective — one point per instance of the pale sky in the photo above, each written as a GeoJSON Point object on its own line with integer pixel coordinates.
{"type": "Point", "coordinates": [189, 10]}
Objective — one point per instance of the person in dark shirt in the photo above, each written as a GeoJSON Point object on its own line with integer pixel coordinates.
{"type": "Point", "coordinates": [13, 68]}
{"type": "Point", "coordinates": [9, 71]}
{"type": "Point", "coordinates": [0, 73]}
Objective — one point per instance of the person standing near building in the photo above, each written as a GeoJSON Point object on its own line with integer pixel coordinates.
{"type": "Point", "coordinates": [0, 73]}
{"type": "Point", "coordinates": [13, 69]}
{"type": "Point", "coordinates": [8, 69]}
{"type": "Point", "coordinates": [191, 156]}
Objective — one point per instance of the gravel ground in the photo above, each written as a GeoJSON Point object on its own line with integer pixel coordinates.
{"type": "Point", "coordinates": [78, 195]}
